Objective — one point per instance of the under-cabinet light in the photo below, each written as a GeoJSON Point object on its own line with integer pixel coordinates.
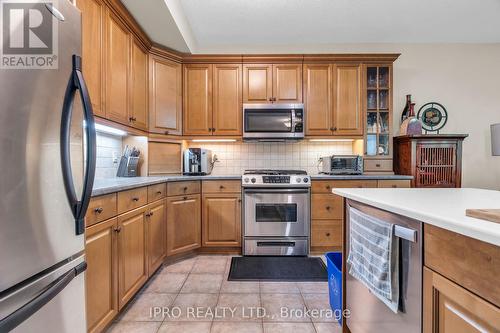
{"type": "Point", "coordinates": [109, 130]}
{"type": "Point", "coordinates": [331, 140]}
{"type": "Point", "coordinates": [214, 140]}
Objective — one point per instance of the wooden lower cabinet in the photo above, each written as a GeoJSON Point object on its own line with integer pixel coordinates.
{"type": "Point", "coordinates": [449, 308]}
{"type": "Point", "coordinates": [326, 233]}
{"type": "Point", "coordinates": [221, 222]}
{"type": "Point", "coordinates": [101, 275]}
{"type": "Point", "coordinates": [156, 235]}
{"type": "Point", "coordinates": [183, 223]}
{"type": "Point", "coordinates": [132, 255]}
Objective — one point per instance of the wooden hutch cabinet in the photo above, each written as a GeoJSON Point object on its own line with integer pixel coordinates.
{"type": "Point", "coordinates": [434, 160]}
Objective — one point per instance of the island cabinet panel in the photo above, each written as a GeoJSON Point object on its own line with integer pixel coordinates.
{"type": "Point", "coordinates": [347, 110]}
{"type": "Point", "coordinates": [197, 99]}
{"type": "Point", "coordinates": [165, 89]}
{"type": "Point", "coordinates": [318, 99]}
{"type": "Point", "coordinates": [93, 51]}
{"type": "Point", "coordinates": [117, 69]}
{"type": "Point", "coordinates": [257, 83]}
{"type": "Point", "coordinates": [221, 219]}
{"type": "Point", "coordinates": [183, 223]}
{"type": "Point", "coordinates": [101, 279]}
{"type": "Point", "coordinates": [132, 254]}
{"type": "Point", "coordinates": [138, 112]}
{"type": "Point", "coordinates": [156, 220]}
{"type": "Point", "coordinates": [287, 83]}
{"type": "Point", "coordinates": [227, 99]}
{"type": "Point", "coordinates": [449, 308]}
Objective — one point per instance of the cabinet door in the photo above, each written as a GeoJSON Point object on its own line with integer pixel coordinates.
{"type": "Point", "coordinates": [449, 308]}
{"type": "Point", "coordinates": [156, 235]}
{"type": "Point", "coordinates": [347, 116]}
{"type": "Point", "coordinates": [183, 223]}
{"type": "Point", "coordinates": [197, 99]}
{"type": "Point", "coordinates": [318, 99]}
{"type": "Point", "coordinates": [221, 219]}
{"type": "Point", "coordinates": [257, 83]}
{"type": "Point", "coordinates": [287, 83]}
{"type": "Point", "coordinates": [100, 277]}
{"type": "Point", "coordinates": [117, 69]}
{"type": "Point", "coordinates": [138, 116]}
{"type": "Point", "coordinates": [92, 50]}
{"type": "Point", "coordinates": [227, 100]}
{"type": "Point", "coordinates": [165, 115]}
{"type": "Point", "coordinates": [132, 257]}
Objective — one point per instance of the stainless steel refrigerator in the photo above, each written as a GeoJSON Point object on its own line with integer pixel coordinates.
{"type": "Point", "coordinates": [47, 158]}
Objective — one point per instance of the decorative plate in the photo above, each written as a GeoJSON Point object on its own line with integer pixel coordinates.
{"type": "Point", "coordinates": [433, 116]}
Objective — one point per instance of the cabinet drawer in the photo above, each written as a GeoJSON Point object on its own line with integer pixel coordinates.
{"type": "Point", "coordinates": [221, 186]}
{"type": "Point", "coordinates": [326, 186]}
{"type": "Point", "coordinates": [157, 192]}
{"type": "Point", "coordinates": [100, 208]}
{"type": "Point", "coordinates": [326, 233]}
{"type": "Point", "coordinates": [326, 206]}
{"type": "Point", "coordinates": [128, 200]}
{"type": "Point", "coordinates": [378, 165]}
{"type": "Point", "coordinates": [181, 188]}
{"type": "Point", "coordinates": [386, 183]}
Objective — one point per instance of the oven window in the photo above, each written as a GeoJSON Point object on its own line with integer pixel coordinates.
{"type": "Point", "coordinates": [271, 120]}
{"type": "Point", "coordinates": [276, 212]}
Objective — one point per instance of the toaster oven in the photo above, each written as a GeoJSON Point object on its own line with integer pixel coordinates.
{"type": "Point", "coordinates": [342, 165]}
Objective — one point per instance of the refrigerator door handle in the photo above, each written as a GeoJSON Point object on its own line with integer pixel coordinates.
{"type": "Point", "coordinates": [27, 310]}
{"type": "Point", "coordinates": [78, 206]}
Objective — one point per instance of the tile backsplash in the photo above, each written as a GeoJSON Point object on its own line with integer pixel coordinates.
{"type": "Point", "coordinates": [235, 157]}
{"type": "Point", "coordinates": [109, 149]}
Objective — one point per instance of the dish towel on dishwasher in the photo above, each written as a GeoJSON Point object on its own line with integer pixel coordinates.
{"type": "Point", "coordinates": [373, 256]}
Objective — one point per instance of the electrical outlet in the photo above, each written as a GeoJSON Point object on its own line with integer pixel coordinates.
{"type": "Point", "coordinates": [114, 156]}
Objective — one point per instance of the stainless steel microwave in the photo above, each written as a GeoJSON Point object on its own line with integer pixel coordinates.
{"type": "Point", "coordinates": [273, 121]}
{"type": "Point", "coordinates": [342, 165]}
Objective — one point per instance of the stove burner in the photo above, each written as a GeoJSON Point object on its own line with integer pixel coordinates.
{"type": "Point", "coordinates": [274, 172]}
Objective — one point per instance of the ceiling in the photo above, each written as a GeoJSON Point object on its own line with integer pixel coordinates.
{"type": "Point", "coordinates": [247, 26]}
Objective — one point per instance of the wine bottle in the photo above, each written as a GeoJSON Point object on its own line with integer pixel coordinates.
{"type": "Point", "coordinates": [406, 110]}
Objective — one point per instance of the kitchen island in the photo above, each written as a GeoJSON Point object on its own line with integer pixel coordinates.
{"type": "Point", "coordinates": [458, 257]}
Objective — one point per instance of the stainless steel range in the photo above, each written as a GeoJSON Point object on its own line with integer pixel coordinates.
{"type": "Point", "coordinates": [276, 212]}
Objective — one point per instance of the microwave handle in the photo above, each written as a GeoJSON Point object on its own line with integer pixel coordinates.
{"type": "Point", "coordinates": [294, 121]}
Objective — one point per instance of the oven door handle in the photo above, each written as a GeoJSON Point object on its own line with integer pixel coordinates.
{"type": "Point", "coordinates": [281, 190]}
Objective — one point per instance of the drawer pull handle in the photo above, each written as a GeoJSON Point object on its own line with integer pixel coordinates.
{"type": "Point", "coordinates": [158, 192]}
{"type": "Point", "coordinates": [185, 198]}
{"type": "Point", "coordinates": [166, 132]}
{"type": "Point", "coordinates": [98, 210]}
{"type": "Point", "coordinates": [328, 207]}
{"type": "Point", "coordinates": [149, 214]}
{"type": "Point", "coordinates": [117, 229]}
{"type": "Point", "coordinates": [377, 165]}
{"type": "Point", "coordinates": [135, 199]}
{"type": "Point", "coordinates": [394, 186]}
{"type": "Point", "coordinates": [221, 187]}
{"type": "Point", "coordinates": [327, 187]}
{"type": "Point", "coordinates": [327, 234]}
{"type": "Point", "coordinates": [185, 188]}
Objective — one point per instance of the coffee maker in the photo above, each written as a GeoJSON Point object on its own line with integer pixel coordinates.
{"type": "Point", "coordinates": [197, 162]}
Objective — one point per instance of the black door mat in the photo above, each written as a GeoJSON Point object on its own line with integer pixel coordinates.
{"type": "Point", "coordinates": [302, 269]}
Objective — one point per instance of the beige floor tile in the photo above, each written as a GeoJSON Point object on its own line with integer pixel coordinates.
{"type": "Point", "coordinates": [284, 308]}
{"type": "Point", "coordinates": [202, 283]}
{"type": "Point", "coordinates": [313, 287]}
{"type": "Point", "coordinates": [236, 327]}
{"type": "Point", "coordinates": [211, 265]}
{"type": "Point", "coordinates": [185, 327]}
{"type": "Point", "coordinates": [328, 328]}
{"type": "Point", "coordinates": [238, 307]}
{"type": "Point", "coordinates": [141, 309]}
{"type": "Point", "coordinates": [279, 288]}
{"type": "Point", "coordinates": [134, 327]}
{"type": "Point", "coordinates": [289, 328]}
{"type": "Point", "coordinates": [321, 304]}
{"type": "Point", "coordinates": [169, 283]}
{"type": "Point", "coordinates": [193, 307]}
{"type": "Point", "coordinates": [239, 287]}
{"type": "Point", "coordinates": [183, 266]}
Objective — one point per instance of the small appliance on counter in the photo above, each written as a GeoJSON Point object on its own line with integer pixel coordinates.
{"type": "Point", "coordinates": [197, 162]}
{"type": "Point", "coordinates": [342, 165]}
{"type": "Point", "coordinates": [129, 163]}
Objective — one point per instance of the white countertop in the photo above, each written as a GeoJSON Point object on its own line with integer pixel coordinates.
{"type": "Point", "coordinates": [441, 207]}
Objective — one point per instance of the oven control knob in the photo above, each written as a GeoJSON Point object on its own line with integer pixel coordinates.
{"type": "Point", "coordinates": [306, 180]}
{"type": "Point", "coordinates": [246, 179]}
{"type": "Point", "coordinates": [298, 180]}
{"type": "Point", "coordinates": [253, 180]}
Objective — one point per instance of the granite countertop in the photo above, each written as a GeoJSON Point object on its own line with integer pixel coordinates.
{"type": "Point", "coordinates": [441, 207]}
{"type": "Point", "coordinates": [361, 177]}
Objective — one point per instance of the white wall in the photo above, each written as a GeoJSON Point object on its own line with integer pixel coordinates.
{"type": "Point", "coordinates": [109, 150]}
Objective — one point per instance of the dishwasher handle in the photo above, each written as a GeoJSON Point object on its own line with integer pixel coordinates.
{"type": "Point", "coordinates": [405, 233]}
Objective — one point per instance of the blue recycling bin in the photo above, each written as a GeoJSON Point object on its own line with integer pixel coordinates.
{"type": "Point", "coordinates": [334, 267]}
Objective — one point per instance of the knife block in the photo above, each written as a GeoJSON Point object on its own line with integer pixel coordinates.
{"type": "Point", "coordinates": [128, 166]}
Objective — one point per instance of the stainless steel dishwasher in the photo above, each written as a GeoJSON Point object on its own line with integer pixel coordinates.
{"type": "Point", "coordinates": [367, 312]}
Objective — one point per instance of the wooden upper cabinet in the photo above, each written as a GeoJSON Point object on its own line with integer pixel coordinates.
{"type": "Point", "coordinates": [165, 116]}
{"type": "Point", "coordinates": [221, 219]}
{"type": "Point", "coordinates": [138, 112]}
{"type": "Point", "coordinates": [92, 51]}
{"type": "Point", "coordinates": [347, 111]}
{"type": "Point", "coordinates": [197, 99]}
{"type": "Point", "coordinates": [117, 69]}
{"type": "Point", "coordinates": [183, 223]}
{"type": "Point", "coordinates": [318, 99]}
{"type": "Point", "coordinates": [257, 83]}
{"type": "Point", "coordinates": [227, 100]}
{"type": "Point", "coordinates": [287, 83]}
